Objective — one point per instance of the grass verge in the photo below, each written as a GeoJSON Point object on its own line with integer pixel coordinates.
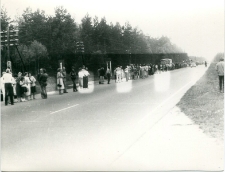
{"type": "Point", "coordinates": [204, 104]}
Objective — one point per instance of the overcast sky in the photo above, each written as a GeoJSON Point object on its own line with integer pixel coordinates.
{"type": "Point", "coordinates": [197, 26]}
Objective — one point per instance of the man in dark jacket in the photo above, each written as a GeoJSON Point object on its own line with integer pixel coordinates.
{"type": "Point", "coordinates": [102, 74]}
{"type": "Point", "coordinates": [42, 79]}
{"type": "Point", "coordinates": [73, 77]}
{"type": "Point", "coordinates": [220, 71]}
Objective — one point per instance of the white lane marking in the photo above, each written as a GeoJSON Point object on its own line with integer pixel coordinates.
{"type": "Point", "coordinates": [64, 109]}
{"type": "Point", "coordinates": [164, 102]}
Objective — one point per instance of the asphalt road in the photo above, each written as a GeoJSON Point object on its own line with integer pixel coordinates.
{"type": "Point", "coordinates": [90, 129]}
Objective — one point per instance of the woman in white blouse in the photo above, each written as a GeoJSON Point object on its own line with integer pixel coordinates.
{"type": "Point", "coordinates": [32, 85]}
{"type": "Point", "coordinates": [27, 81]}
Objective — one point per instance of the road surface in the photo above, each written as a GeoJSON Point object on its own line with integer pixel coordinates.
{"type": "Point", "coordinates": [97, 128]}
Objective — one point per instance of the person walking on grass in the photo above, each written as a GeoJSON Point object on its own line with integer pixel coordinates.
{"type": "Point", "coordinates": [220, 71]}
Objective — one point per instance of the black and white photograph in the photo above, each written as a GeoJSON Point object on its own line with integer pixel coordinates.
{"type": "Point", "coordinates": [118, 85]}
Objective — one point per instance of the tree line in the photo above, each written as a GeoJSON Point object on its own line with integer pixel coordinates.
{"type": "Point", "coordinates": [45, 39]}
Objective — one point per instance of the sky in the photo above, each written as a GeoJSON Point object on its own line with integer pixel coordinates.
{"type": "Point", "coordinates": [196, 26]}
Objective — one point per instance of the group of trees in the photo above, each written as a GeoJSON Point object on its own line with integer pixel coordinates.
{"type": "Point", "coordinates": [51, 38]}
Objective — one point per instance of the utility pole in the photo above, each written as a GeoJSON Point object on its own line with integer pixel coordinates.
{"type": "Point", "coordinates": [9, 38]}
{"type": "Point", "coordinates": [8, 59]}
{"type": "Point", "coordinates": [80, 50]}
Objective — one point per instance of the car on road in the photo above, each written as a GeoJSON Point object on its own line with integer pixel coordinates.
{"type": "Point", "coordinates": [193, 64]}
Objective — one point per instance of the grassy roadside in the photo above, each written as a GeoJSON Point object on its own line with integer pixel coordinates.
{"type": "Point", "coordinates": [204, 104]}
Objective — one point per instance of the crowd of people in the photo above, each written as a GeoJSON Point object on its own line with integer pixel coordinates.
{"type": "Point", "coordinates": [22, 87]}
{"type": "Point", "coordinates": [133, 72]}
{"type": "Point", "coordinates": [129, 72]}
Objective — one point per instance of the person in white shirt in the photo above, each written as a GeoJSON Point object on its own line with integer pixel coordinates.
{"type": "Point", "coordinates": [80, 75]}
{"type": "Point", "coordinates": [126, 72]}
{"type": "Point", "coordinates": [3, 86]}
{"type": "Point", "coordinates": [32, 85]}
{"type": "Point", "coordinates": [118, 74]}
{"type": "Point", "coordinates": [27, 81]}
{"type": "Point", "coordinates": [7, 77]}
{"type": "Point", "coordinates": [85, 78]}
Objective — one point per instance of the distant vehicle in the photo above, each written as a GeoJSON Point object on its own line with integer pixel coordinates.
{"type": "Point", "coordinates": [193, 64]}
{"type": "Point", "coordinates": [168, 63]}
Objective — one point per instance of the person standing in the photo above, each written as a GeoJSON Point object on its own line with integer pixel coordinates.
{"type": "Point", "coordinates": [138, 71]}
{"type": "Point", "coordinates": [18, 87]}
{"type": "Point", "coordinates": [80, 75]}
{"type": "Point", "coordinates": [114, 72]}
{"type": "Point", "coordinates": [85, 77]}
{"type": "Point", "coordinates": [3, 86]}
{"type": "Point", "coordinates": [14, 88]}
{"type": "Point", "coordinates": [64, 79]}
{"type": "Point", "coordinates": [23, 90]}
{"type": "Point", "coordinates": [205, 63]}
{"type": "Point", "coordinates": [27, 81]}
{"type": "Point", "coordinates": [42, 79]}
{"type": "Point", "coordinates": [121, 74]}
{"type": "Point", "coordinates": [220, 71]}
{"type": "Point", "coordinates": [126, 73]}
{"type": "Point", "coordinates": [102, 74]}
{"type": "Point", "coordinates": [118, 74]}
{"type": "Point", "coordinates": [73, 78]}
{"type": "Point", "coordinates": [156, 69]}
{"type": "Point", "coordinates": [108, 74]}
{"type": "Point", "coordinates": [7, 77]}
{"type": "Point", "coordinates": [60, 83]}
{"type": "Point", "coordinates": [32, 86]}
{"type": "Point", "coordinates": [98, 71]}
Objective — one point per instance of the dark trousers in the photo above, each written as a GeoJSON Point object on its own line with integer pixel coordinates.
{"type": "Point", "coordinates": [65, 89]}
{"type": "Point", "coordinates": [108, 77]}
{"type": "Point", "coordinates": [221, 82]}
{"type": "Point", "coordinates": [74, 85]}
{"type": "Point", "coordinates": [43, 92]}
{"type": "Point", "coordinates": [85, 82]}
{"type": "Point", "coordinates": [8, 92]}
{"type": "Point", "coordinates": [126, 75]}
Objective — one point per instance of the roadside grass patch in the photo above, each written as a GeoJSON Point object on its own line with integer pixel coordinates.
{"type": "Point", "coordinates": [204, 104]}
